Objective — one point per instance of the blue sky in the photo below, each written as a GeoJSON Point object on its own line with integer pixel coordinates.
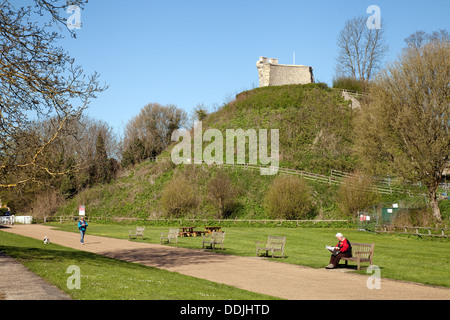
{"type": "Point", "coordinates": [191, 52]}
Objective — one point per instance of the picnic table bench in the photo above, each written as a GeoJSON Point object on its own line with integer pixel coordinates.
{"type": "Point", "coordinates": [189, 232]}
{"type": "Point", "coordinates": [186, 231]}
{"type": "Point", "coordinates": [139, 232]}
{"type": "Point", "coordinates": [213, 239]}
{"type": "Point", "coordinates": [361, 252]}
{"type": "Point", "coordinates": [272, 245]}
{"type": "Point", "coordinates": [171, 235]}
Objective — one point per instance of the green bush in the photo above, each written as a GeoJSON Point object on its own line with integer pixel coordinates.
{"type": "Point", "coordinates": [350, 84]}
{"type": "Point", "coordinates": [178, 198]}
{"type": "Point", "coordinates": [356, 193]}
{"type": "Point", "coordinates": [289, 197]}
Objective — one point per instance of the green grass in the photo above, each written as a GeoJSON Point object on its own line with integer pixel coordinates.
{"type": "Point", "coordinates": [104, 278]}
{"type": "Point", "coordinates": [407, 258]}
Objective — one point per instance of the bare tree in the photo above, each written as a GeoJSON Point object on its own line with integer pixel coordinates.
{"type": "Point", "coordinates": [405, 127]}
{"type": "Point", "coordinates": [37, 80]}
{"type": "Point", "coordinates": [223, 193]}
{"type": "Point", "coordinates": [416, 39]}
{"type": "Point", "coordinates": [150, 131]}
{"type": "Point", "coordinates": [361, 50]}
{"type": "Point", "coordinates": [420, 38]}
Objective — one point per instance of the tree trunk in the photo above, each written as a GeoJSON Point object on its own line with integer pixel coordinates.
{"type": "Point", "coordinates": [433, 202]}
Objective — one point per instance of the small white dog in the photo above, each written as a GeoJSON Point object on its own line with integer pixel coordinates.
{"type": "Point", "coordinates": [46, 240]}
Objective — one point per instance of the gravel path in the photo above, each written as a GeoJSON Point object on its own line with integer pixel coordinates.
{"type": "Point", "coordinates": [254, 274]}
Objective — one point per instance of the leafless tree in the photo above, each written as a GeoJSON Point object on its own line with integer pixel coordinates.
{"type": "Point", "coordinates": [37, 80]}
{"type": "Point", "coordinates": [151, 130]}
{"type": "Point", "coordinates": [419, 38]}
{"type": "Point", "coordinates": [361, 50]}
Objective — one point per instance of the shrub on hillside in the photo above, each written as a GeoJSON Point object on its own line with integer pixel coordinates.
{"type": "Point", "coordinates": [356, 193]}
{"type": "Point", "coordinates": [416, 217]}
{"type": "Point", "coordinates": [349, 83]}
{"type": "Point", "coordinates": [288, 197]}
{"type": "Point", "coordinates": [223, 193]}
{"type": "Point", "coordinates": [178, 198]}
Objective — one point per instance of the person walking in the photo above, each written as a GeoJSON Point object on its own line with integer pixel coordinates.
{"type": "Point", "coordinates": [82, 225]}
{"type": "Point", "coordinates": [344, 250]}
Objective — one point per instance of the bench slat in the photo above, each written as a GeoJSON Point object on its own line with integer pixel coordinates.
{"type": "Point", "coordinates": [361, 252]}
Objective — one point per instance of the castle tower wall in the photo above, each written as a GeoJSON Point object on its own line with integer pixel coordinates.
{"type": "Point", "coordinates": [273, 74]}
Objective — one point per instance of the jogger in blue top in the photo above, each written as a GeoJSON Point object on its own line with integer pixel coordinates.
{"type": "Point", "coordinates": [82, 225]}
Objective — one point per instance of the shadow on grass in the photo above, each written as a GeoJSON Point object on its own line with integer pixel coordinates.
{"type": "Point", "coordinates": [168, 258]}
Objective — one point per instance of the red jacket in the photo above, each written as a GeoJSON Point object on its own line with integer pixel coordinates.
{"type": "Point", "coordinates": [343, 246]}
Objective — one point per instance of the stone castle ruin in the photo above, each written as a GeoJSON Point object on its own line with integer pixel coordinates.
{"type": "Point", "coordinates": [273, 74]}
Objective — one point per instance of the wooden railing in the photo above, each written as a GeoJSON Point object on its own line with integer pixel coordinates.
{"type": "Point", "coordinates": [382, 186]}
{"type": "Point", "coordinates": [431, 232]}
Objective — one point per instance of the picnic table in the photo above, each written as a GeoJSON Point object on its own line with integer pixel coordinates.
{"type": "Point", "coordinates": [189, 232]}
{"type": "Point", "coordinates": [186, 231]}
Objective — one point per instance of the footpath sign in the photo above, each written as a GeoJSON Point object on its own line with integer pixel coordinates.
{"type": "Point", "coordinates": [82, 210]}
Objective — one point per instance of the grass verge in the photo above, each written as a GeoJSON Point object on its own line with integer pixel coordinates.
{"type": "Point", "coordinates": [104, 278]}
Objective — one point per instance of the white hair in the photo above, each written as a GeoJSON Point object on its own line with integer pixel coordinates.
{"type": "Point", "coordinates": [339, 235]}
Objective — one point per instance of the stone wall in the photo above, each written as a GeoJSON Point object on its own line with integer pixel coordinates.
{"type": "Point", "coordinates": [273, 74]}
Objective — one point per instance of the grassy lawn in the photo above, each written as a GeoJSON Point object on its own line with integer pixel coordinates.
{"type": "Point", "coordinates": [104, 278]}
{"type": "Point", "coordinates": [407, 258]}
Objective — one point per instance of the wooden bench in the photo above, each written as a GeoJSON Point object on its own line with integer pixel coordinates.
{"type": "Point", "coordinates": [213, 239]}
{"type": "Point", "coordinates": [139, 232]}
{"type": "Point", "coordinates": [361, 252]}
{"type": "Point", "coordinates": [272, 245]}
{"type": "Point", "coordinates": [171, 235]}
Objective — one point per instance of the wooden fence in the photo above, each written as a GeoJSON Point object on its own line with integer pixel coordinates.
{"type": "Point", "coordinates": [382, 185]}
{"type": "Point", "coordinates": [430, 232]}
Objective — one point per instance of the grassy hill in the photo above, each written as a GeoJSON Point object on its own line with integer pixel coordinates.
{"type": "Point", "coordinates": [315, 124]}
{"type": "Point", "coordinates": [315, 127]}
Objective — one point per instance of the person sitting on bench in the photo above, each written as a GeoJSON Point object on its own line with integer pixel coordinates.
{"type": "Point", "coordinates": [344, 250]}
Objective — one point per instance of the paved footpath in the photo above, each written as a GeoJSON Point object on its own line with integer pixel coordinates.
{"type": "Point", "coordinates": [18, 283]}
{"type": "Point", "coordinates": [254, 274]}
